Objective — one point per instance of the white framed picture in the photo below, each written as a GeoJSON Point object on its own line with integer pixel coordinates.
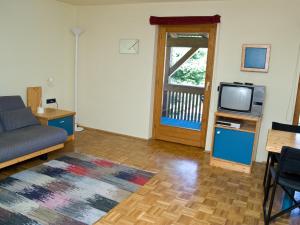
{"type": "Point", "coordinates": [129, 46]}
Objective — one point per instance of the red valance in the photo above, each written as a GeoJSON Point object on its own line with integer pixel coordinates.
{"type": "Point", "coordinates": [184, 20]}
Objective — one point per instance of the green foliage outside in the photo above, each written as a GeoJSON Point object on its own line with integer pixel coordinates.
{"type": "Point", "coordinates": [192, 72]}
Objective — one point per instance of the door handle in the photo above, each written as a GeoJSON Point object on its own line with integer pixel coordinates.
{"type": "Point", "coordinates": [218, 132]}
{"type": "Point", "coordinates": [62, 122]}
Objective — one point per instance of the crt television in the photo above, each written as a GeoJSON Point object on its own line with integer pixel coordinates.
{"type": "Point", "coordinates": [241, 98]}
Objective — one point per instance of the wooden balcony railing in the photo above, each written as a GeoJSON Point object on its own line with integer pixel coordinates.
{"type": "Point", "coordinates": [183, 102]}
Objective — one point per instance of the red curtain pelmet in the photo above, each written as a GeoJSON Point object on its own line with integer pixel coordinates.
{"type": "Point", "coordinates": [184, 20]}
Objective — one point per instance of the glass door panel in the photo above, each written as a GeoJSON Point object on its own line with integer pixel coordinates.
{"type": "Point", "coordinates": [184, 79]}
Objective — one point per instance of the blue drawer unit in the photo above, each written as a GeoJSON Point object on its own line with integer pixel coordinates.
{"type": "Point", "coordinates": [233, 145]}
{"type": "Point", "coordinates": [66, 123]}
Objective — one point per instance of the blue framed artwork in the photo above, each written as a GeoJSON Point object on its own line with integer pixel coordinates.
{"type": "Point", "coordinates": [255, 58]}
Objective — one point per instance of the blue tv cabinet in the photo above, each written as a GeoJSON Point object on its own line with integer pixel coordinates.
{"type": "Point", "coordinates": [234, 148]}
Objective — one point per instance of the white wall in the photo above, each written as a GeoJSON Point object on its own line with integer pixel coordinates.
{"type": "Point", "coordinates": [35, 44]}
{"type": "Point", "coordinates": [115, 92]}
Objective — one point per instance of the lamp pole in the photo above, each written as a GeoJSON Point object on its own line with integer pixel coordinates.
{"type": "Point", "coordinates": [76, 31]}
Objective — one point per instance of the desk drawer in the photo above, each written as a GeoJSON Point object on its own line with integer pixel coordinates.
{"type": "Point", "coordinates": [66, 123]}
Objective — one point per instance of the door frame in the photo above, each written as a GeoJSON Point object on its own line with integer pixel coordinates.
{"type": "Point", "coordinates": [297, 105]}
{"type": "Point", "coordinates": [176, 134]}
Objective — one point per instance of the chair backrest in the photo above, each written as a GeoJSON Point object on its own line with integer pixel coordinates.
{"type": "Point", "coordinates": [289, 161]}
{"type": "Point", "coordinates": [11, 103]}
{"type": "Point", "coordinates": [285, 127]}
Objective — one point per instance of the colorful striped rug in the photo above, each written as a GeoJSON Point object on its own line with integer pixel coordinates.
{"type": "Point", "coordinates": [73, 190]}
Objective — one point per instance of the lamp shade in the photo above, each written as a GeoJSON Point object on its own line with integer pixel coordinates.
{"type": "Point", "coordinates": [76, 31]}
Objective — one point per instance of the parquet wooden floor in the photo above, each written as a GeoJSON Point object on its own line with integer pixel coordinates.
{"type": "Point", "coordinates": [186, 190]}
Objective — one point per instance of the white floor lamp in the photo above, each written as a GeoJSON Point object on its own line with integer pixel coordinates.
{"type": "Point", "coordinates": [76, 31]}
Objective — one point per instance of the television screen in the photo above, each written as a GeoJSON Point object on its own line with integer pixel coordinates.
{"type": "Point", "coordinates": [236, 98]}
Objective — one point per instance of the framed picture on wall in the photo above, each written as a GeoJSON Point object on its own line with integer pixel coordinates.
{"type": "Point", "coordinates": [255, 58]}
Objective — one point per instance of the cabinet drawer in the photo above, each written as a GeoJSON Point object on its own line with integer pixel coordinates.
{"type": "Point", "coordinates": [233, 145]}
{"type": "Point", "coordinates": [66, 123]}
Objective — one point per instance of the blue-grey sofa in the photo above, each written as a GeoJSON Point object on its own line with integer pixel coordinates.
{"type": "Point", "coordinates": [21, 135]}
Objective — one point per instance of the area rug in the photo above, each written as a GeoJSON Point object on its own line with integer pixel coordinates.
{"type": "Point", "coordinates": [75, 189]}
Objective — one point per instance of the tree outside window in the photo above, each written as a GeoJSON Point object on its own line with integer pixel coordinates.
{"type": "Point", "coordinates": [192, 71]}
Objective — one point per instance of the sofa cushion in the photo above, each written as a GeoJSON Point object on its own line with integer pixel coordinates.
{"type": "Point", "coordinates": [18, 118]}
{"type": "Point", "coordinates": [11, 103]}
{"type": "Point", "coordinates": [20, 142]}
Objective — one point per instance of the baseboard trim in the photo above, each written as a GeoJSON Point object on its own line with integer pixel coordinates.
{"type": "Point", "coordinates": [114, 133]}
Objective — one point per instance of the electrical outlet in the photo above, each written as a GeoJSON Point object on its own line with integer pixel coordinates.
{"type": "Point", "coordinates": [51, 100]}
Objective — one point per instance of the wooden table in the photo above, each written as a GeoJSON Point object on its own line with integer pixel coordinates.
{"type": "Point", "coordinates": [276, 140]}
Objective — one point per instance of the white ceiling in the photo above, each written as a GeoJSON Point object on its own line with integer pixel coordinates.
{"type": "Point", "coordinates": [107, 2]}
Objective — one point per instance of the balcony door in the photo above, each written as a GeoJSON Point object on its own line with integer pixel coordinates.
{"type": "Point", "coordinates": [185, 59]}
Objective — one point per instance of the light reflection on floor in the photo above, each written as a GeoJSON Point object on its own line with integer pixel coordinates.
{"type": "Point", "coordinates": [187, 170]}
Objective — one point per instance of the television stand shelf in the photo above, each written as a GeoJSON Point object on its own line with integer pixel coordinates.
{"type": "Point", "coordinates": [235, 148]}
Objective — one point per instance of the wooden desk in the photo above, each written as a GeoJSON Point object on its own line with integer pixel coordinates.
{"type": "Point", "coordinates": [277, 139]}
